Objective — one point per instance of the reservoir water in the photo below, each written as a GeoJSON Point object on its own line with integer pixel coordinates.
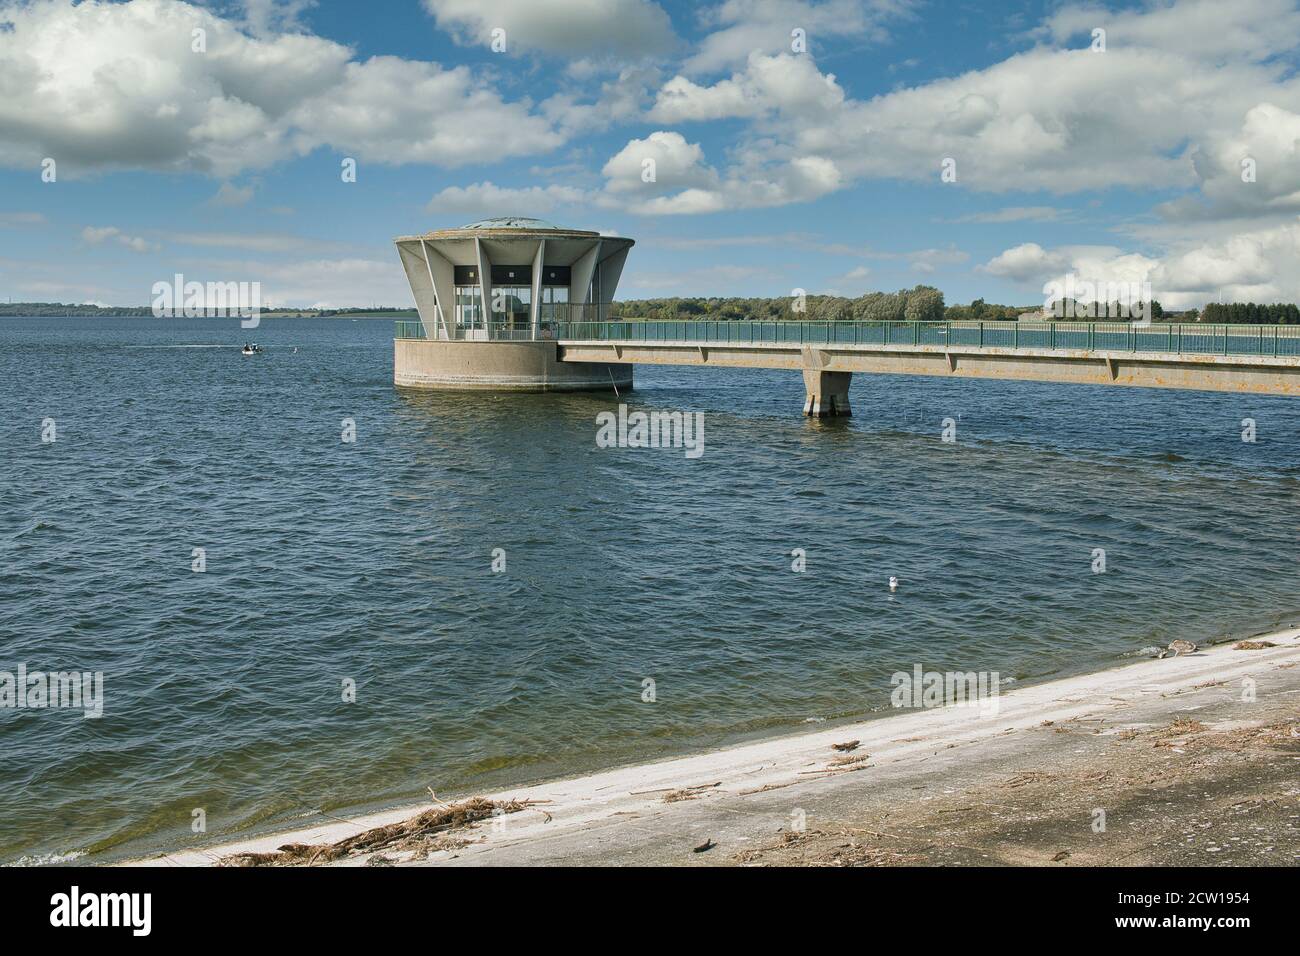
{"type": "Point", "coordinates": [331, 564]}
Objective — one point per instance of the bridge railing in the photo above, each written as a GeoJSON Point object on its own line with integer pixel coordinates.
{"type": "Point", "coordinates": [1090, 336]}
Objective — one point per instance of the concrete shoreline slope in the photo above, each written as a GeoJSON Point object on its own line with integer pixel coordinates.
{"type": "Point", "coordinates": [1148, 744]}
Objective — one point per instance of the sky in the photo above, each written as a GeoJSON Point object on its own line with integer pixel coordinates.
{"type": "Point", "coordinates": [750, 147]}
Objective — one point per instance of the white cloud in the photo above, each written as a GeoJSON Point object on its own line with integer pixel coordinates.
{"type": "Point", "coordinates": [253, 242]}
{"type": "Point", "coordinates": [22, 219]}
{"type": "Point", "coordinates": [685, 184]}
{"type": "Point", "coordinates": [1252, 266]}
{"type": "Point", "coordinates": [390, 110]}
{"type": "Point", "coordinates": [1206, 30]}
{"type": "Point", "coordinates": [1254, 171]}
{"type": "Point", "coordinates": [263, 17]}
{"type": "Point", "coordinates": [562, 27]}
{"type": "Point", "coordinates": [232, 195]}
{"type": "Point", "coordinates": [741, 27]}
{"type": "Point", "coordinates": [1060, 120]}
{"type": "Point", "coordinates": [116, 85]}
{"type": "Point", "coordinates": [1012, 214]}
{"type": "Point", "coordinates": [489, 199]}
{"type": "Point", "coordinates": [928, 261]}
{"type": "Point", "coordinates": [1024, 262]}
{"type": "Point", "coordinates": [769, 84]}
{"type": "Point", "coordinates": [677, 164]}
{"type": "Point", "coordinates": [97, 235]}
{"type": "Point", "coordinates": [349, 281]}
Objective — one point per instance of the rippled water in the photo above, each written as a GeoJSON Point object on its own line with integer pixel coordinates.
{"type": "Point", "coordinates": [370, 561]}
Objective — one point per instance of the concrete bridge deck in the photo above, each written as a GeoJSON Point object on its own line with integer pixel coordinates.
{"type": "Point", "coordinates": [1261, 359]}
{"type": "Point", "coordinates": [1256, 359]}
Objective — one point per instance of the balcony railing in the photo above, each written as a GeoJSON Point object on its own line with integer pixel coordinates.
{"type": "Point", "coordinates": [1281, 340]}
{"type": "Point", "coordinates": [1090, 336]}
{"type": "Point", "coordinates": [509, 326]}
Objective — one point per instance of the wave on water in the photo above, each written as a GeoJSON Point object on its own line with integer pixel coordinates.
{"type": "Point", "coordinates": [47, 859]}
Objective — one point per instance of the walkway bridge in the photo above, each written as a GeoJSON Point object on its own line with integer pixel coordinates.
{"type": "Point", "coordinates": [1262, 359]}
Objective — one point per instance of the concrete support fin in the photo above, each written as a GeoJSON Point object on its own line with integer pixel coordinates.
{"type": "Point", "coordinates": [609, 272]}
{"type": "Point", "coordinates": [484, 281]}
{"type": "Point", "coordinates": [538, 262]}
{"type": "Point", "coordinates": [443, 277]}
{"type": "Point", "coordinates": [580, 276]}
{"type": "Point", "coordinates": [827, 393]}
{"type": "Point", "coordinates": [417, 274]}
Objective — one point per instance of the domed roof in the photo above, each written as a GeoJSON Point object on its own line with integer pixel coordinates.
{"type": "Point", "coordinates": [511, 222]}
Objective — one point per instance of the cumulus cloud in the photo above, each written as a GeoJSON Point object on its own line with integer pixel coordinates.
{"type": "Point", "coordinates": [1024, 262]}
{"type": "Point", "coordinates": [1151, 112]}
{"type": "Point", "coordinates": [769, 84]}
{"type": "Point", "coordinates": [117, 85]}
{"type": "Point", "coordinates": [275, 16]}
{"type": "Point", "coordinates": [391, 110]}
{"type": "Point", "coordinates": [1253, 266]}
{"type": "Point", "coordinates": [741, 27]}
{"type": "Point", "coordinates": [1252, 172]}
{"type": "Point", "coordinates": [562, 27]}
{"type": "Point", "coordinates": [663, 161]}
{"type": "Point", "coordinates": [684, 183]}
{"type": "Point", "coordinates": [1207, 30]}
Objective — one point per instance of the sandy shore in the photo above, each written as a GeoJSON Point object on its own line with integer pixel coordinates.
{"type": "Point", "coordinates": [1191, 760]}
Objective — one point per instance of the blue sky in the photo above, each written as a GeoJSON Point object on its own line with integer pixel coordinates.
{"type": "Point", "coordinates": [779, 164]}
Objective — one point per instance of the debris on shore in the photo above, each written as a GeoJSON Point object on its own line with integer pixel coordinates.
{"type": "Point", "coordinates": [1252, 645]}
{"type": "Point", "coordinates": [690, 793]}
{"type": "Point", "coordinates": [421, 833]}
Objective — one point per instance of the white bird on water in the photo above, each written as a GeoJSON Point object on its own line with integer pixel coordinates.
{"type": "Point", "coordinates": [893, 584]}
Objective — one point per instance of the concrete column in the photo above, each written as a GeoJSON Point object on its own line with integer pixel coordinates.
{"type": "Point", "coordinates": [828, 393]}
{"type": "Point", "coordinates": [536, 307]}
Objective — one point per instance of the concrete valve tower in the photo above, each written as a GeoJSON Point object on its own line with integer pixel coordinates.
{"type": "Point", "coordinates": [494, 295]}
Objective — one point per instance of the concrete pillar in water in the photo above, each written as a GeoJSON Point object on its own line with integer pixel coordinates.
{"type": "Point", "coordinates": [828, 393]}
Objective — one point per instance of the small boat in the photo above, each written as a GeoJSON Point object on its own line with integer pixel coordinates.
{"type": "Point", "coordinates": [253, 349]}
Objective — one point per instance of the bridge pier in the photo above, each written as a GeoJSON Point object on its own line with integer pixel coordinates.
{"type": "Point", "coordinates": [828, 393]}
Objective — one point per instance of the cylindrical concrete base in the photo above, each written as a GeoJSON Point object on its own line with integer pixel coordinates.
{"type": "Point", "coordinates": [503, 366]}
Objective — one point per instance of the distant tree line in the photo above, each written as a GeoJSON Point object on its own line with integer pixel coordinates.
{"type": "Point", "coordinates": [924, 303]}
{"type": "Point", "coordinates": [42, 309]}
{"type": "Point", "coordinates": [1249, 313]}
{"type": "Point", "coordinates": [920, 304]}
